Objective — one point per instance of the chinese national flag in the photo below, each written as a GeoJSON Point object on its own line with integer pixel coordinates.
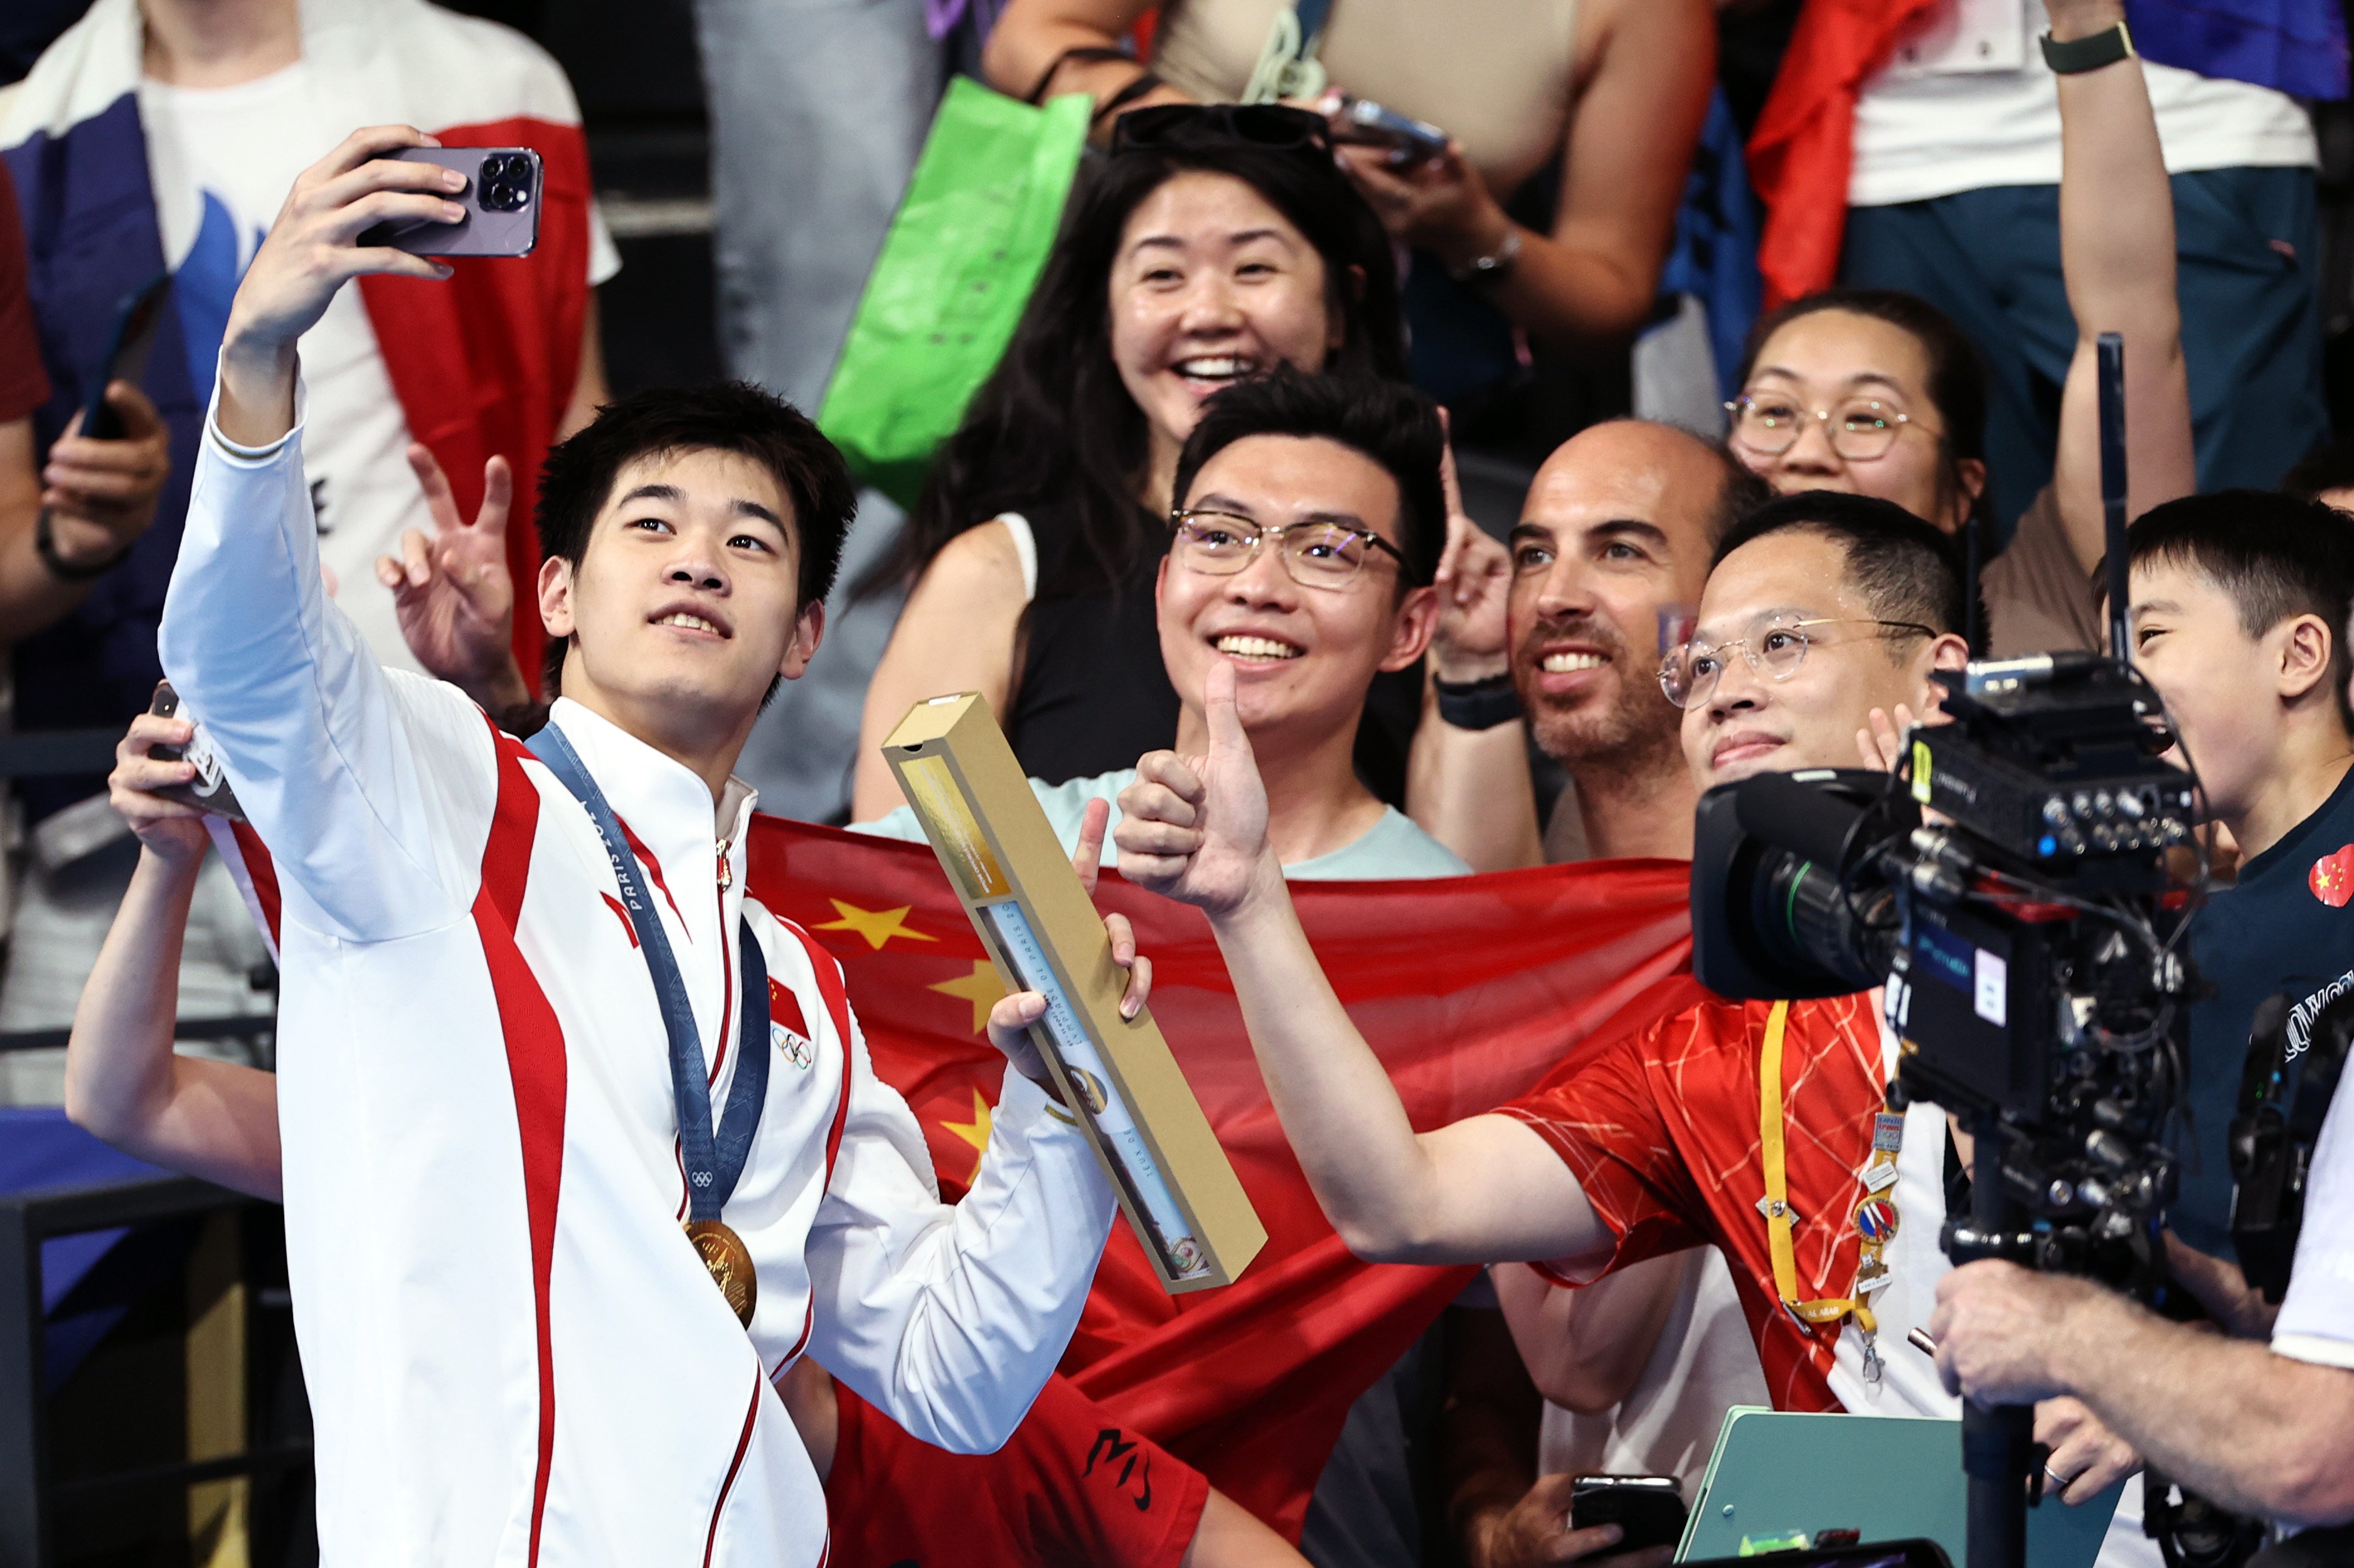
{"type": "Point", "coordinates": [1470, 990]}
{"type": "Point", "coordinates": [1800, 153]}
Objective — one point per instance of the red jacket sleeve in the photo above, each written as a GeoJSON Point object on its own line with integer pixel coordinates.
{"type": "Point", "coordinates": [1098, 1493]}
{"type": "Point", "coordinates": [24, 384]}
{"type": "Point", "coordinates": [1604, 1120]}
{"type": "Point", "coordinates": [1073, 1488]}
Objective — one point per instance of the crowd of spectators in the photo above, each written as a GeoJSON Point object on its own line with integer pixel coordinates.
{"type": "Point", "coordinates": [1255, 415]}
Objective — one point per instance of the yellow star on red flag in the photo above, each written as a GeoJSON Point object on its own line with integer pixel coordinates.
{"type": "Point", "coordinates": [877, 926]}
{"type": "Point", "coordinates": [982, 988]}
{"type": "Point", "coordinates": [975, 1132]}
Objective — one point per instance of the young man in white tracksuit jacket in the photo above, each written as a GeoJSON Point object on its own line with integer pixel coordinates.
{"type": "Point", "coordinates": [515, 1354]}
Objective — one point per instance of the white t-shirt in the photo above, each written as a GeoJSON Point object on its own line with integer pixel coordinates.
{"type": "Point", "coordinates": [1967, 102]}
{"type": "Point", "coordinates": [1705, 1363]}
{"type": "Point", "coordinates": [221, 161]}
{"type": "Point", "coordinates": [2317, 1317]}
{"type": "Point", "coordinates": [1908, 1382]}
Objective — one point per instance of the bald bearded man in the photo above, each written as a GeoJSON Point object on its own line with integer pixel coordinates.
{"type": "Point", "coordinates": [1559, 626]}
{"type": "Point", "coordinates": [1615, 534]}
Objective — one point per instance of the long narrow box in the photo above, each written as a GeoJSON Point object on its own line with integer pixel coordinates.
{"type": "Point", "coordinates": [1044, 934]}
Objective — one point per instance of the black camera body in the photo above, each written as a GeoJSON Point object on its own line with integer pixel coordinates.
{"type": "Point", "coordinates": [2048, 760]}
{"type": "Point", "coordinates": [2024, 935]}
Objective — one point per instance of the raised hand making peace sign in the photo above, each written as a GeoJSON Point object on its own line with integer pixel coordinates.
{"type": "Point", "coordinates": [453, 592]}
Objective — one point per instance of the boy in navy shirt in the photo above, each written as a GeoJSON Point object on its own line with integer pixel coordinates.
{"type": "Point", "coordinates": [2239, 602]}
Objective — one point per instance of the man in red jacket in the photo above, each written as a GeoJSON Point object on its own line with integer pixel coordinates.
{"type": "Point", "coordinates": [1761, 1128]}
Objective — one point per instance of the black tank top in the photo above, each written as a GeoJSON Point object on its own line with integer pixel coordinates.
{"type": "Point", "coordinates": [1093, 695]}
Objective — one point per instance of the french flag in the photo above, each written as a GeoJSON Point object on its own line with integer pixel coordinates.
{"type": "Point", "coordinates": [483, 363]}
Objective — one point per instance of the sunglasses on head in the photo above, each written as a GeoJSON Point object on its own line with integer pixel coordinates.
{"type": "Point", "coordinates": [1178, 126]}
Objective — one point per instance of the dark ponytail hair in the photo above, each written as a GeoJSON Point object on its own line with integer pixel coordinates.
{"type": "Point", "coordinates": [1054, 424]}
{"type": "Point", "coordinates": [1956, 378]}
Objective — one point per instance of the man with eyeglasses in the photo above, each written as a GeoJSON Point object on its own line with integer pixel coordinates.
{"type": "Point", "coordinates": [1309, 522]}
{"type": "Point", "coordinates": [1824, 616]}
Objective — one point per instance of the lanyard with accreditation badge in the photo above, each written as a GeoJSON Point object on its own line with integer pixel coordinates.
{"type": "Point", "coordinates": [713, 1162]}
{"type": "Point", "coordinates": [1875, 1211]}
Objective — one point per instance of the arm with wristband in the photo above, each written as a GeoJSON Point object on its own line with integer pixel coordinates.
{"type": "Point", "coordinates": [2117, 256]}
{"type": "Point", "coordinates": [1043, 48]}
{"type": "Point", "coordinates": [1467, 780]}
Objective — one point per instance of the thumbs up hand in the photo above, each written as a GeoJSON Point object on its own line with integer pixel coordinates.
{"type": "Point", "coordinates": [1195, 828]}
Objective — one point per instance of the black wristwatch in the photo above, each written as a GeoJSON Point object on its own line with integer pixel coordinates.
{"type": "Point", "coordinates": [45, 545]}
{"type": "Point", "coordinates": [2091, 52]}
{"type": "Point", "coordinates": [1479, 704]}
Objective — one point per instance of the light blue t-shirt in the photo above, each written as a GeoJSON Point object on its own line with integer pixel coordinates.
{"type": "Point", "coordinates": [1393, 849]}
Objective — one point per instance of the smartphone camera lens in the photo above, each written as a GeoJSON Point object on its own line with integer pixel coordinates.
{"type": "Point", "coordinates": [505, 182]}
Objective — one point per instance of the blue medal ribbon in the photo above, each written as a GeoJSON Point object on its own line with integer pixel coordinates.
{"type": "Point", "coordinates": [713, 1161]}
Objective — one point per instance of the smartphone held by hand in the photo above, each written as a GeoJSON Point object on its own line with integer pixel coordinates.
{"type": "Point", "coordinates": [500, 198]}
{"type": "Point", "coordinates": [137, 317]}
{"type": "Point", "coordinates": [1647, 1510]}
{"type": "Point", "coordinates": [1363, 122]}
{"type": "Point", "coordinates": [208, 790]}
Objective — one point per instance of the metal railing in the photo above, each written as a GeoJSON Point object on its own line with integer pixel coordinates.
{"type": "Point", "coordinates": [31, 1496]}
{"type": "Point", "coordinates": [258, 1028]}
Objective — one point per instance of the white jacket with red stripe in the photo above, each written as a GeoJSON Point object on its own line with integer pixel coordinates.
{"type": "Point", "coordinates": [514, 1354]}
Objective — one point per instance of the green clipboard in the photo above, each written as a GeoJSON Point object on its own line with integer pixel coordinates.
{"type": "Point", "coordinates": [1891, 1477]}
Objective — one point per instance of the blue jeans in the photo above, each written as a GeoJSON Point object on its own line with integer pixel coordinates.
{"type": "Point", "coordinates": [818, 110]}
{"type": "Point", "coordinates": [2246, 248]}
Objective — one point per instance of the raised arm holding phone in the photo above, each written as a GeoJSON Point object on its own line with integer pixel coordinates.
{"type": "Point", "coordinates": [485, 947]}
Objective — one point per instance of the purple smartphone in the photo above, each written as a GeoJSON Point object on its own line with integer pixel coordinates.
{"type": "Point", "coordinates": [501, 199]}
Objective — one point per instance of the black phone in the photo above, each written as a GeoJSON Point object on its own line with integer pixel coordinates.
{"type": "Point", "coordinates": [1649, 1510]}
{"type": "Point", "coordinates": [500, 198]}
{"type": "Point", "coordinates": [138, 316]}
{"type": "Point", "coordinates": [1883, 1554]}
{"type": "Point", "coordinates": [208, 790]}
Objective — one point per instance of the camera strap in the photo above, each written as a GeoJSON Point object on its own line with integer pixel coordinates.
{"type": "Point", "coordinates": [1874, 1216]}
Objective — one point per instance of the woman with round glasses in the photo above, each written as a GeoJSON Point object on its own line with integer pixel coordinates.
{"type": "Point", "coordinates": [1876, 392]}
{"type": "Point", "coordinates": [1210, 245]}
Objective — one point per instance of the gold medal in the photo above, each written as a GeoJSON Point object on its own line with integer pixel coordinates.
{"type": "Point", "coordinates": [730, 1262]}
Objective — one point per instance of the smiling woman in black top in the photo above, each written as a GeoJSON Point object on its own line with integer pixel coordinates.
{"type": "Point", "coordinates": [1211, 244]}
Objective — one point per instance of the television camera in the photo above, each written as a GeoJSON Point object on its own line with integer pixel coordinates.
{"type": "Point", "coordinates": [2007, 885]}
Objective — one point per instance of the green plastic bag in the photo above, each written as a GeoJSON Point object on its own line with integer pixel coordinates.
{"type": "Point", "coordinates": [964, 251]}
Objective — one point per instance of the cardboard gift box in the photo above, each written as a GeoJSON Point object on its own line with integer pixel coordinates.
{"type": "Point", "coordinates": [1043, 933]}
